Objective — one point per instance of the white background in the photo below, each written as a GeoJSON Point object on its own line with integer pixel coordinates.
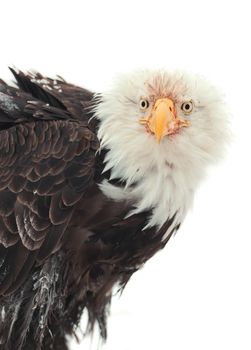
{"type": "Point", "coordinates": [196, 294]}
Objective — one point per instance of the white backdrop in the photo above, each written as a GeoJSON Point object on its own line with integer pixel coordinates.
{"type": "Point", "coordinates": [196, 294]}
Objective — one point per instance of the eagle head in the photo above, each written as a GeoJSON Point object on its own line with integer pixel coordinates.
{"type": "Point", "coordinates": [161, 129]}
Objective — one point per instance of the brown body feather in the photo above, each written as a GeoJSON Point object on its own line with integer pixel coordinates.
{"type": "Point", "coordinates": [63, 244]}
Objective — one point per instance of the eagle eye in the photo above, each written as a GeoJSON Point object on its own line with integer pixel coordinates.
{"type": "Point", "coordinates": [187, 107]}
{"type": "Point", "coordinates": [144, 104]}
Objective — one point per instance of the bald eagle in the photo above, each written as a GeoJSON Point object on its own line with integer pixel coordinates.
{"type": "Point", "coordinates": [91, 187]}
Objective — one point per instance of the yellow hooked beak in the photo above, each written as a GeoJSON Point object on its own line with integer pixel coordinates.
{"type": "Point", "coordinates": [163, 120]}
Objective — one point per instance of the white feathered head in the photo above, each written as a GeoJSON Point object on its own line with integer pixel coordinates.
{"type": "Point", "coordinates": [162, 125]}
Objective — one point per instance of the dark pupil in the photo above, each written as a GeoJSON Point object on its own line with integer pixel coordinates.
{"type": "Point", "coordinates": [143, 104]}
{"type": "Point", "coordinates": [187, 106]}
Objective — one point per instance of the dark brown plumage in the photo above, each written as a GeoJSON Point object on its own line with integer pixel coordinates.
{"type": "Point", "coordinates": [63, 244]}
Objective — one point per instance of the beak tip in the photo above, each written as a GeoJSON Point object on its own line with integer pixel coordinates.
{"type": "Point", "coordinates": [158, 138]}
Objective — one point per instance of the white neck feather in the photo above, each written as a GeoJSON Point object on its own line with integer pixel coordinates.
{"type": "Point", "coordinates": [161, 184]}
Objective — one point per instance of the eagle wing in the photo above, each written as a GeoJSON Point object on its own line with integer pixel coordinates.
{"type": "Point", "coordinates": [47, 162]}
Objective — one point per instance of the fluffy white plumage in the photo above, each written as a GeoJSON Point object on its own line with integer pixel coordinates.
{"type": "Point", "coordinates": [166, 173]}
